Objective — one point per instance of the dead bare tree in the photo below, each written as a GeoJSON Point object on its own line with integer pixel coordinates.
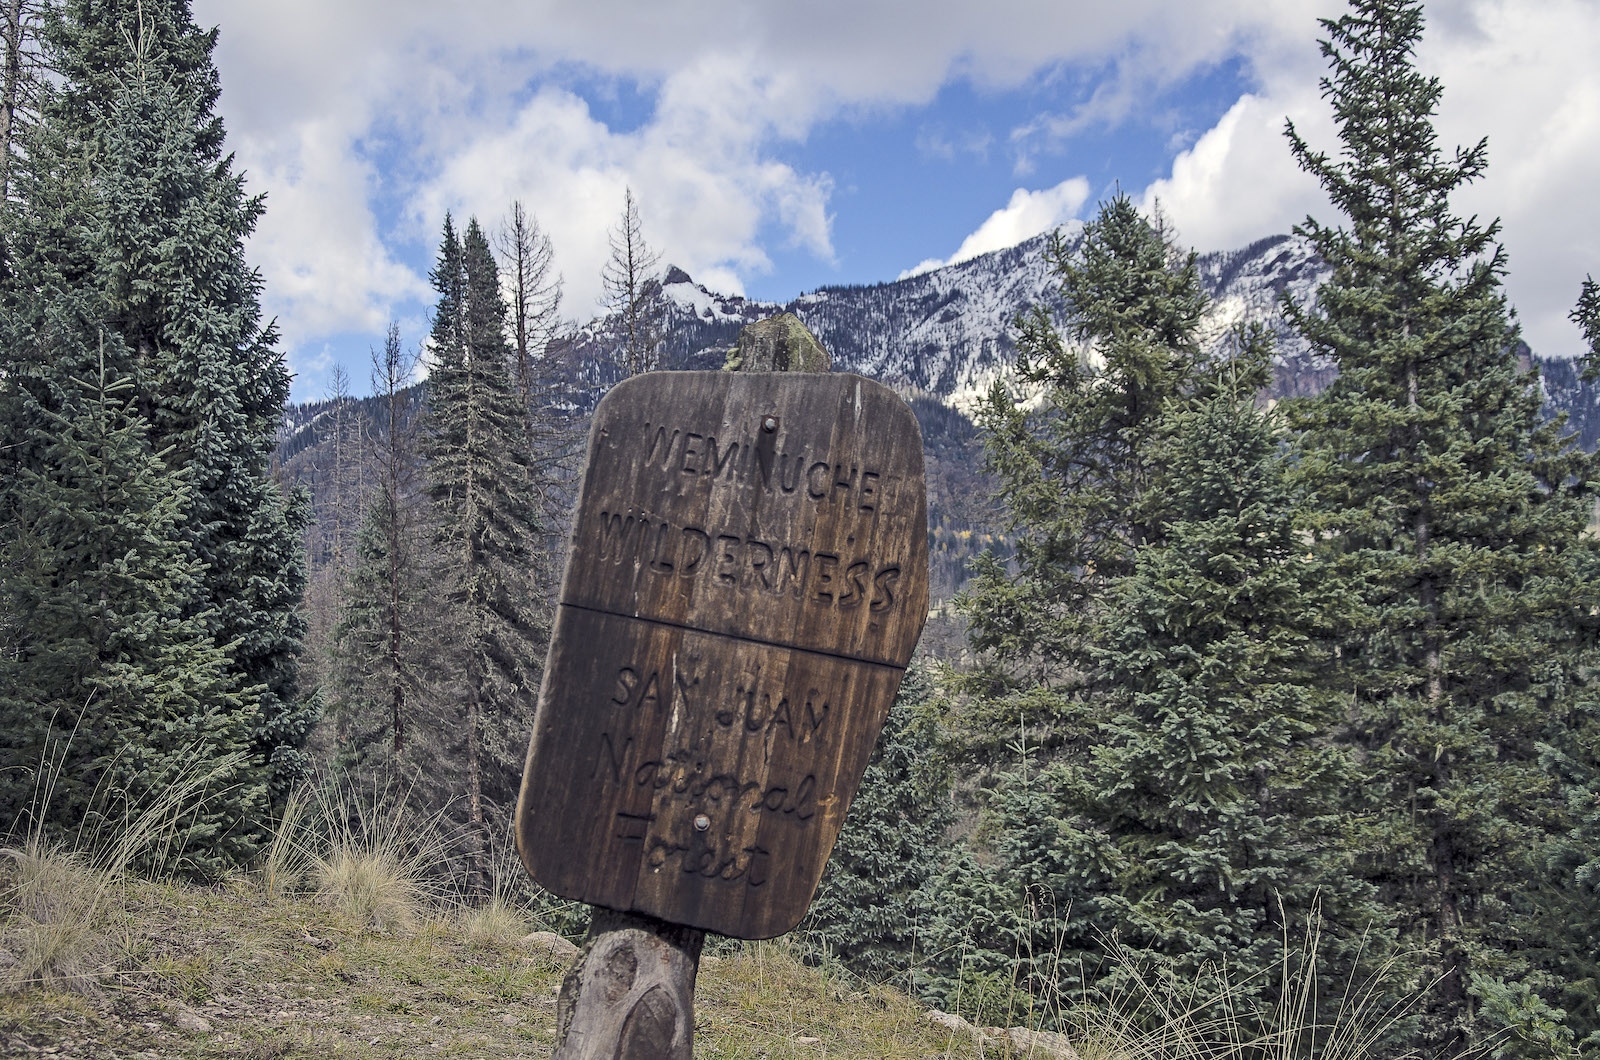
{"type": "Point", "coordinates": [632, 291]}
{"type": "Point", "coordinates": [533, 294]}
{"type": "Point", "coordinates": [23, 66]}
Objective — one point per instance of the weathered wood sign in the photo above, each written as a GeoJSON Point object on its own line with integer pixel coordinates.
{"type": "Point", "coordinates": [746, 583]}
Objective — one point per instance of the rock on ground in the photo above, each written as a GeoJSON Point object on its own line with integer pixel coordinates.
{"type": "Point", "coordinates": [551, 943]}
{"type": "Point", "coordinates": [1024, 1039]}
{"type": "Point", "coordinates": [187, 1019]}
{"type": "Point", "coordinates": [1037, 1043]}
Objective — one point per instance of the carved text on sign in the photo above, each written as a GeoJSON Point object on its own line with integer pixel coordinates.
{"type": "Point", "coordinates": [694, 454]}
{"type": "Point", "coordinates": [747, 578]}
{"type": "Point", "coordinates": [732, 562]}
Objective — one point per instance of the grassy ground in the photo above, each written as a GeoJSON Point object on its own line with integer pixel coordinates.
{"type": "Point", "coordinates": [231, 972]}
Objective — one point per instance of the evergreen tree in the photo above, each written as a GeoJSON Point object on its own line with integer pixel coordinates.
{"type": "Point", "coordinates": [1075, 476]}
{"type": "Point", "coordinates": [128, 223]}
{"type": "Point", "coordinates": [111, 686]}
{"type": "Point", "coordinates": [1568, 904]}
{"type": "Point", "coordinates": [378, 675]}
{"type": "Point", "coordinates": [1453, 514]}
{"type": "Point", "coordinates": [1074, 473]}
{"type": "Point", "coordinates": [1586, 314]}
{"type": "Point", "coordinates": [488, 535]}
{"type": "Point", "coordinates": [1173, 791]}
{"type": "Point", "coordinates": [1206, 813]}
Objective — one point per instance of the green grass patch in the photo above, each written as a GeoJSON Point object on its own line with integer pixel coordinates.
{"type": "Point", "coordinates": [272, 975]}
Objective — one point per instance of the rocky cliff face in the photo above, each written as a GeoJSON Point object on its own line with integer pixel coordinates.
{"type": "Point", "coordinates": [948, 332]}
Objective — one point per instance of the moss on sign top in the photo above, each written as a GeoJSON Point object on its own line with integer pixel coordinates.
{"type": "Point", "coordinates": [778, 344]}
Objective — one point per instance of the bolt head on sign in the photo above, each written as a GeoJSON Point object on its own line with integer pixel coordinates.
{"type": "Point", "coordinates": [747, 579]}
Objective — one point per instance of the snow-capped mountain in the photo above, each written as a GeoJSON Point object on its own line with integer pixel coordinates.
{"type": "Point", "coordinates": [948, 332]}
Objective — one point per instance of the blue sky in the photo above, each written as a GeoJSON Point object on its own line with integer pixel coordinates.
{"type": "Point", "coordinates": [775, 148]}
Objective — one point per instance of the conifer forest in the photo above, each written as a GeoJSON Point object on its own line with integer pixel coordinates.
{"type": "Point", "coordinates": [1289, 697]}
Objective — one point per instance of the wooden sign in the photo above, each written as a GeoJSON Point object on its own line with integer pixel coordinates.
{"type": "Point", "coordinates": [746, 583]}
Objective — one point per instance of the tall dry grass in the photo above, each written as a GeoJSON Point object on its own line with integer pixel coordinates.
{"type": "Point", "coordinates": [1140, 1011]}
{"type": "Point", "coordinates": [1213, 1016]}
{"type": "Point", "coordinates": [60, 898]}
{"type": "Point", "coordinates": [286, 860]}
{"type": "Point", "coordinates": [369, 855]}
{"type": "Point", "coordinates": [360, 848]}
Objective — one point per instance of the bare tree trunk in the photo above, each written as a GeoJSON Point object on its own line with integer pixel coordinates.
{"type": "Point", "coordinates": [395, 371]}
{"type": "Point", "coordinates": [528, 260]}
{"type": "Point", "coordinates": [632, 290]}
{"type": "Point", "coordinates": [475, 854]}
{"type": "Point", "coordinates": [13, 33]}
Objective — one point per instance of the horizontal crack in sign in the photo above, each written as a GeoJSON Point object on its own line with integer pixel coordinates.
{"type": "Point", "coordinates": [738, 637]}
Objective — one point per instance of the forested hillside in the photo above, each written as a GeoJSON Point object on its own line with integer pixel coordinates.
{"type": "Point", "coordinates": [941, 338]}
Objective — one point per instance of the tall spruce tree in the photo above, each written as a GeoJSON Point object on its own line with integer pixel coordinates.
{"type": "Point", "coordinates": [1454, 514]}
{"type": "Point", "coordinates": [1075, 473]}
{"type": "Point", "coordinates": [1075, 476]}
{"type": "Point", "coordinates": [1573, 912]}
{"type": "Point", "coordinates": [1206, 814]}
{"type": "Point", "coordinates": [378, 674]}
{"type": "Point", "coordinates": [1174, 791]}
{"type": "Point", "coordinates": [489, 536]}
{"type": "Point", "coordinates": [875, 902]}
{"type": "Point", "coordinates": [128, 223]}
{"type": "Point", "coordinates": [111, 686]}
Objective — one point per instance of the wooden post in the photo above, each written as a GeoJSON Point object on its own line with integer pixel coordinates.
{"type": "Point", "coordinates": [734, 622]}
{"type": "Point", "coordinates": [630, 994]}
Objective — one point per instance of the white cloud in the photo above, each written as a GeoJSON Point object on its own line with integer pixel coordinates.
{"type": "Point", "coordinates": [1524, 75]}
{"type": "Point", "coordinates": [703, 187]}
{"type": "Point", "coordinates": [1238, 182]}
{"type": "Point", "coordinates": [364, 119]}
{"type": "Point", "coordinates": [1025, 216]}
{"type": "Point", "coordinates": [334, 107]}
{"type": "Point", "coordinates": [1518, 71]}
{"type": "Point", "coordinates": [324, 267]}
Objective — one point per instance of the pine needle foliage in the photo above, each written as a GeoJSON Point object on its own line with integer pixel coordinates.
{"type": "Point", "coordinates": [488, 536]}
{"type": "Point", "coordinates": [125, 267]}
{"type": "Point", "coordinates": [1172, 793]}
{"type": "Point", "coordinates": [1076, 472]}
{"type": "Point", "coordinates": [876, 895]}
{"type": "Point", "coordinates": [1207, 807]}
{"type": "Point", "coordinates": [1453, 514]}
{"type": "Point", "coordinates": [379, 678]}
{"type": "Point", "coordinates": [109, 658]}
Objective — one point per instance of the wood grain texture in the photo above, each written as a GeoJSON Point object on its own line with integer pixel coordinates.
{"type": "Point", "coordinates": [630, 993]}
{"type": "Point", "coordinates": [746, 583]}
